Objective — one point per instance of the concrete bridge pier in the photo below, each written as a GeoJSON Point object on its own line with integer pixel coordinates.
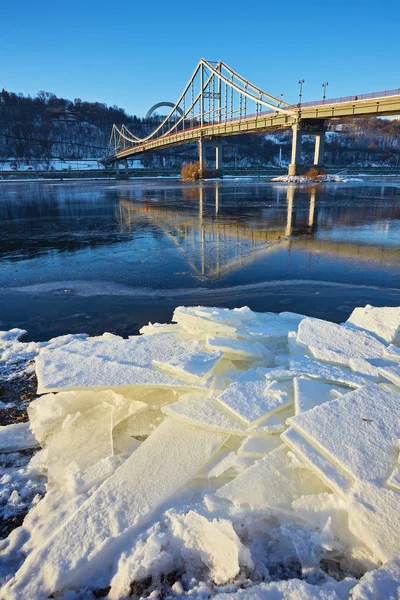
{"type": "Point", "coordinates": [300, 129]}
{"type": "Point", "coordinates": [216, 144]}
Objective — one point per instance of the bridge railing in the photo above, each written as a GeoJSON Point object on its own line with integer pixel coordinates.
{"type": "Point", "coordinates": [343, 99]}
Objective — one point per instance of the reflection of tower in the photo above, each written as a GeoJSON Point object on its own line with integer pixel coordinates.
{"type": "Point", "coordinates": [201, 229]}
{"type": "Point", "coordinates": [289, 218]}
{"type": "Point", "coordinates": [311, 212]}
{"type": "Point", "coordinates": [216, 198]}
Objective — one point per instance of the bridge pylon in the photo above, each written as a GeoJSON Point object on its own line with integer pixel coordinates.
{"type": "Point", "coordinates": [315, 128]}
{"type": "Point", "coordinates": [204, 144]}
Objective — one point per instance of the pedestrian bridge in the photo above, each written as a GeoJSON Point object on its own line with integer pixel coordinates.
{"type": "Point", "coordinates": [218, 102]}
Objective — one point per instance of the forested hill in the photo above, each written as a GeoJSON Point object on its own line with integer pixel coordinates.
{"type": "Point", "coordinates": [47, 127]}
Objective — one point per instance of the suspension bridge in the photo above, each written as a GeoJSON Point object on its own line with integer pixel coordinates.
{"type": "Point", "coordinates": [218, 102]}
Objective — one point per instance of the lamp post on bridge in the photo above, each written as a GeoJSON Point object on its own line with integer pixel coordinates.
{"type": "Point", "coordinates": [301, 81]}
{"type": "Point", "coordinates": [324, 85]}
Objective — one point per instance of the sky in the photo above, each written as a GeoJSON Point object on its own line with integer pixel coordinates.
{"type": "Point", "coordinates": [134, 54]}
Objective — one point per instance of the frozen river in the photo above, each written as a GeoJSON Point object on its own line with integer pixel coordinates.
{"type": "Point", "coordinates": [101, 256]}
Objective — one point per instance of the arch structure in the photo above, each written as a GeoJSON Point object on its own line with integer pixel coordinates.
{"type": "Point", "coordinates": [214, 94]}
{"type": "Point", "coordinates": [159, 104]}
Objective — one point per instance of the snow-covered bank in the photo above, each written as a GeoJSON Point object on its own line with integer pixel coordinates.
{"type": "Point", "coordinates": [230, 453]}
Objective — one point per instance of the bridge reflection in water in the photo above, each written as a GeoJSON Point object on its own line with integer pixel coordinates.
{"type": "Point", "coordinates": [215, 240]}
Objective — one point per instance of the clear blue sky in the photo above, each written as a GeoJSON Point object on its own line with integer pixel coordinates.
{"type": "Point", "coordinates": [136, 53]}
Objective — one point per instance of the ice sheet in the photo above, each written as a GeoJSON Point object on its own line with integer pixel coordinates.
{"type": "Point", "coordinates": [112, 363]}
{"type": "Point", "coordinates": [358, 431]}
{"type": "Point", "coordinates": [336, 343]}
{"type": "Point", "coordinates": [330, 473]}
{"type": "Point", "coordinates": [90, 539]}
{"type": "Point", "coordinates": [238, 349]}
{"type": "Point", "coordinates": [394, 479]}
{"type": "Point", "coordinates": [271, 482]}
{"type": "Point", "coordinates": [327, 373]}
{"type": "Point", "coordinates": [256, 445]}
{"type": "Point", "coordinates": [271, 425]}
{"type": "Point", "coordinates": [382, 321]}
{"type": "Point", "coordinates": [196, 367]}
{"type": "Point", "coordinates": [83, 438]}
{"type": "Point", "coordinates": [392, 352]}
{"type": "Point", "coordinates": [249, 401]}
{"type": "Point", "coordinates": [391, 373]}
{"type": "Point", "coordinates": [16, 437]}
{"type": "Point", "coordinates": [374, 519]}
{"type": "Point", "coordinates": [203, 412]}
{"type": "Point", "coordinates": [309, 393]}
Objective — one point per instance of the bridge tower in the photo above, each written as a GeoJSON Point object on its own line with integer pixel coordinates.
{"type": "Point", "coordinates": [315, 128]}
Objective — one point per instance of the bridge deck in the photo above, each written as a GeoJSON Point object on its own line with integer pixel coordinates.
{"type": "Point", "coordinates": [368, 105]}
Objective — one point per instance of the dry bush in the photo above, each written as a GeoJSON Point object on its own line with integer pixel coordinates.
{"type": "Point", "coordinates": [314, 173]}
{"type": "Point", "coordinates": [191, 170]}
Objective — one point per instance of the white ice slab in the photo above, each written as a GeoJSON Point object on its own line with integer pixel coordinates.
{"type": "Point", "coordinates": [45, 412]}
{"type": "Point", "coordinates": [336, 343]}
{"type": "Point", "coordinates": [156, 328]}
{"type": "Point", "coordinates": [250, 402]}
{"type": "Point", "coordinates": [374, 519]}
{"type": "Point", "coordinates": [112, 363]}
{"type": "Point", "coordinates": [271, 482]}
{"type": "Point", "coordinates": [383, 321]}
{"type": "Point", "coordinates": [203, 412]}
{"type": "Point", "coordinates": [391, 373]}
{"type": "Point", "coordinates": [271, 425]}
{"type": "Point", "coordinates": [309, 367]}
{"type": "Point", "coordinates": [143, 424]}
{"type": "Point", "coordinates": [331, 475]}
{"type": "Point", "coordinates": [224, 463]}
{"type": "Point", "coordinates": [358, 431]}
{"type": "Point", "coordinates": [309, 393]}
{"type": "Point", "coordinates": [83, 438]}
{"type": "Point", "coordinates": [16, 437]}
{"type": "Point", "coordinates": [94, 534]}
{"type": "Point", "coordinates": [392, 352]}
{"type": "Point", "coordinates": [256, 445]}
{"type": "Point", "coordinates": [237, 349]}
{"type": "Point", "coordinates": [196, 367]}
{"type": "Point", "coordinates": [271, 328]}
{"type": "Point", "coordinates": [203, 321]}
{"type": "Point", "coordinates": [394, 479]}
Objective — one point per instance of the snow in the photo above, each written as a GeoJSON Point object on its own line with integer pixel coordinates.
{"type": "Point", "coordinates": [16, 437]}
{"type": "Point", "coordinates": [211, 456]}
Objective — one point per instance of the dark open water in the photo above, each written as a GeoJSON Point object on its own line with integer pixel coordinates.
{"type": "Point", "coordinates": [110, 256]}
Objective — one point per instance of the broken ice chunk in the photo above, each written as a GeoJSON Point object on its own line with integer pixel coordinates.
{"type": "Point", "coordinates": [394, 479]}
{"type": "Point", "coordinates": [257, 445]}
{"type": "Point", "coordinates": [156, 328]}
{"type": "Point", "coordinates": [200, 321]}
{"type": "Point", "coordinates": [392, 353]}
{"type": "Point", "coordinates": [238, 349]}
{"type": "Point", "coordinates": [212, 543]}
{"type": "Point", "coordinates": [123, 442]}
{"type": "Point", "coordinates": [224, 463]}
{"type": "Point", "coordinates": [271, 425]}
{"type": "Point", "coordinates": [16, 437]}
{"type": "Point", "coordinates": [374, 519]}
{"type": "Point", "coordinates": [83, 438]}
{"type": "Point", "coordinates": [384, 322]}
{"type": "Point", "coordinates": [309, 393]}
{"type": "Point", "coordinates": [97, 531]}
{"type": "Point", "coordinates": [143, 424]}
{"type": "Point", "coordinates": [109, 363]}
{"type": "Point", "coordinates": [203, 412]}
{"type": "Point", "coordinates": [391, 373]}
{"type": "Point", "coordinates": [308, 367]}
{"type": "Point", "coordinates": [271, 482]}
{"type": "Point", "coordinates": [196, 367]}
{"type": "Point", "coordinates": [357, 431]}
{"type": "Point", "coordinates": [249, 400]}
{"type": "Point", "coordinates": [336, 343]}
{"type": "Point", "coordinates": [326, 470]}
